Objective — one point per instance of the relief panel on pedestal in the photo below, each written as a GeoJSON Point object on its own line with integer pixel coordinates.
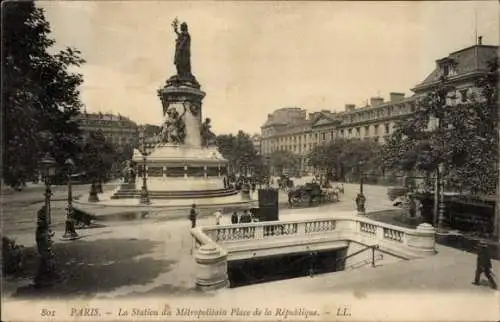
{"type": "Point", "coordinates": [212, 172]}
{"type": "Point", "coordinates": [175, 172]}
{"type": "Point", "coordinates": [155, 171]}
{"type": "Point", "coordinates": [196, 172]}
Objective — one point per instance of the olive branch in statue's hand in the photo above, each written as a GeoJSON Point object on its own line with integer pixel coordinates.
{"type": "Point", "coordinates": [175, 23]}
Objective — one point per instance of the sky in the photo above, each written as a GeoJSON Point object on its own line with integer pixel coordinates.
{"type": "Point", "coordinates": [252, 58]}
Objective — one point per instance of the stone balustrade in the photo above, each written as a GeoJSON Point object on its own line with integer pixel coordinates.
{"type": "Point", "coordinates": [213, 241]}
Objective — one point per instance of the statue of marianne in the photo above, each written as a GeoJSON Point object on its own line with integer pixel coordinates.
{"type": "Point", "coordinates": [182, 59]}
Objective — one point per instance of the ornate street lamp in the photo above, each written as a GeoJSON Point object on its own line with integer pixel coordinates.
{"type": "Point", "coordinates": [46, 273]}
{"type": "Point", "coordinates": [69, 233]}
{"type": "Point", "coordinates": [361, 176]}
{"type": "Point", "coordinates": [144, 199]}
{"type": "Point", "coordinates": [360, 198]}
{"type": "Point", "coordinates": [48, 168]}
{"type": "Point", "coordinates": [441, 198]}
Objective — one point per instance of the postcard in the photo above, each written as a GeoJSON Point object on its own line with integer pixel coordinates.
{"type": "Point", "coordinates": [250, 161]}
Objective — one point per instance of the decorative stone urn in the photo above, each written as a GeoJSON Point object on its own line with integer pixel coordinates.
{"type": "Point", "coordinates": [211, 271]}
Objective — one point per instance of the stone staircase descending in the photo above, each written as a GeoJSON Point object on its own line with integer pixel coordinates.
{"type": "Point", "coordinates": [366, 262]}
{"type": "Point", "coordinates": [129, 191]}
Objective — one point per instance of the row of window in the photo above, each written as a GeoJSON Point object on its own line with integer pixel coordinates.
{"type": "Point", "coordinates": [323, 136]}
{"type": "Point", "coordinates": [298, 146]}
{"type": "Point", "coordinates": [108, 123]}
{"type": "Point", "coordinates": [306, 148]}
{"type": "Point", "coordinates": [376, 127]}
{"type": "Point", "coordinates": [379, 113]}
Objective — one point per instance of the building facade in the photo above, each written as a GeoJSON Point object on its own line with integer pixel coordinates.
{"type": "Point", "coordinates": [118, 130]}
{"type": "Point", "coordinates": [295, 130]}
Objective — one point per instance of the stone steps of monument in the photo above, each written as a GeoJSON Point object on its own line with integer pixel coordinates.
{"type": "Point", "coordinates": [130, 194]}
{"type": "Point", "coordinates": [178, 192]}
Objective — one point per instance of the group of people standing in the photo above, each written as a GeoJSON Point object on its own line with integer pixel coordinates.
{"type": "Point", "coordinates": [245, 217]}
{"type": "Point", "coordinates": [238, 182]}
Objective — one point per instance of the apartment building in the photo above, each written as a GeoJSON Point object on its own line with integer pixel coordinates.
{"type": "Point", "coordinates": [296, 130]}
{"type": "Point", "coordinates": [118, 130]}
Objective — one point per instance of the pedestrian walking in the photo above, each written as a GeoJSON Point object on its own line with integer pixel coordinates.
{"type": "Point", "coordinates": [234, 218]}
{"type": "Point", "coordinates": [218, 216]}
{"type": "Point", "coordinates": [483, 265]}
{"type": "Point", "coordinates": [193, 214]}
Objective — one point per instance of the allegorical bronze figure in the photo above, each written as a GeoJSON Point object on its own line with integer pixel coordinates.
{"type": "Point", "coordinates": [182, 59]}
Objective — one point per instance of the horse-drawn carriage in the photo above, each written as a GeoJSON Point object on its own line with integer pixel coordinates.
{"type": "Point", "coordinates": [312, 193]}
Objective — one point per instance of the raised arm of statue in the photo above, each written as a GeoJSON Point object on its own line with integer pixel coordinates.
{"type": "Point", "coordinates": [175, 24]}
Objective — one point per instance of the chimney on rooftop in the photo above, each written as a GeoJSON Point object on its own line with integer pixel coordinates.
{"type": "Point", "coordinates": [376, 101]}
{"type": "Point", "coordinates": [349, 107]}
{"type": "Point", "coordinates": [397, 97]}
{"type": "Point", "coordinates": [480, 40]}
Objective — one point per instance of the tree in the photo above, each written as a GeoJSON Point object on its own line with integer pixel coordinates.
{"type": "Point", "coordinates": [464, 139]}
{"type": "Point", "coordinates": [41, 96]}
{"type": "Point", "coordinates": [282, 160]}
{"type": "Point", "coordinates": [238, 150]}
{"type": "Point", "coordinates": [97, 157]}
{"type": "Point", "coordinates": [341, 156]}
{"type": "Point", "coordinates": [226, 144]}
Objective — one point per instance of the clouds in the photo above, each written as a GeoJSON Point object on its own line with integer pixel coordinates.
{"type": "Point", "coordinates": [254, 57]}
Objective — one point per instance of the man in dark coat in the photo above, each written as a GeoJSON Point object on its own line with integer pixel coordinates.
{"type": "Point", "coordinates": [193, 213]}
{"type": "Point", "coordinates": [483, 265]}
{"type": "Point", "coordinates": [234, 217]}
{"type": "Point", "coordinates": [245, 218]}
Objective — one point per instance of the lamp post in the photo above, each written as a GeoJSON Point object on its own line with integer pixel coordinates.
{"type": "Point", "coordinates": [441, 198]}
{"type": "Point", "coordinates": [45, 274]}
{"type": "Point", "coordinates": [48, 166]}
{"type": "Point", "coordinates": [144, 189]}
{"type": "Point", "coordinates": [361, 176]}
{"type": "Point", "coordinates": [70, 233]}
{"type": "Point", "coordinates": [360, 198]}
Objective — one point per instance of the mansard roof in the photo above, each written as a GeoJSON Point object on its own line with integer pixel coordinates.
{"type": "Point", "coordinates": [466, 61]}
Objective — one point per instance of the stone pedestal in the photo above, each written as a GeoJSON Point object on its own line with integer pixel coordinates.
{"type": "Point", "coordinates": [211, 270]}
{"type": "Point", "coordinates": [423, 239]}
{"type": "Point", "coordinates": [183, 168]}
{"type": "Point", "coordinates": [187, 101]}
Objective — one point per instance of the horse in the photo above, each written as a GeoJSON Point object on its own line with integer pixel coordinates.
{"type": "Point", "coordinates": [332, 194]}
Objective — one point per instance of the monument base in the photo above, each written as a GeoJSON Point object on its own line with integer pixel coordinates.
{"type": "Point", "coordinates": [179, 171]}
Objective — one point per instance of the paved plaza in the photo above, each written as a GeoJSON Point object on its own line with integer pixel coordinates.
{"type": "Point", "coordinates": [152, 257]}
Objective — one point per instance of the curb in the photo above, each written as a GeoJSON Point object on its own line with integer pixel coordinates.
{"type": "Point", "coordinates": [166, 213]}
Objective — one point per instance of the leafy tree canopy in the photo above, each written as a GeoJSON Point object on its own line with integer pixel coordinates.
{"type": "Point", "coordinates": [460, 136]}
{"type": "Point", "coordinates": [40, 94]}
{"type": "Point", "coordinates": [284, 160]}
{"type": "Point", "coordinates": [238, 150]}
{"type": "Point", "coordinates": [344, 155]}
